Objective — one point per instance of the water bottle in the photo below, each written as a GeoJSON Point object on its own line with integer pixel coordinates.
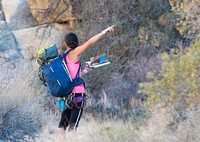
{"type": "Point", "coordinates": [61, 104]}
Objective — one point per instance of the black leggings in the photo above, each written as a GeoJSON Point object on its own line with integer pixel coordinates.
{"type": "Point", "coordinates": [70, 117]}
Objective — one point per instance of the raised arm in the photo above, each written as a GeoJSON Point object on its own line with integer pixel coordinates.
{"type": "Point", "coordinates": [75, 54]}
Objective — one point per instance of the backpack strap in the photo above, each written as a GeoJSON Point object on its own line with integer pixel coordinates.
{"type": "Point", "coordinates": [78, 70]}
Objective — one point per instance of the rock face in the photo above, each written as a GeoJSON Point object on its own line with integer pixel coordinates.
{"type": "Point", "coordinates": [50, 11]}
{"type": "Point", "coordinates": [32, 39]}
{"type": "Point", "coordinates": [7, 41]}
{"type": "Point", "coordinates": [0, 5]}
{"type": "Point", "coordinates": [8, 45]}
{"type": "Point", "coordinates": [21, 36]}
{"type": "Point", "coordinates": [3, 25]}
{"type": "Point", "coordinates": [1, 16]}
{"type": "Point", "coordinates": [17, 14]}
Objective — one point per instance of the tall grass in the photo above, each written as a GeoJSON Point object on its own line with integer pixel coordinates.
{"type": "Point", "coordinates": [22, 111]}
{"type": "Point", "coordinates": [160, 127]}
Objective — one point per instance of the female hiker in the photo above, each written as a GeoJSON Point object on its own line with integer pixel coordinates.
{"type": "Point", "coordinates": [70, 117]}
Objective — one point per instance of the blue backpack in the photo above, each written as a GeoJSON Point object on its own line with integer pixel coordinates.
{"type": "Point", "coordinates": [57, 77]}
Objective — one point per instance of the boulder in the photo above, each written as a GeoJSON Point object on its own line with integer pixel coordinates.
{"type": "Point", "coordinates": [3, 26]}
{"type": "Point", "coordinates": [8, 46]}
{"type": "Point", "coordinates": [52, 11]}
{"type": "Point", "coordinates": [17, 14]}
{"type": "Point", "coordinates": [1, 16]}
{"type": "Point", "coordinates": [0, 5]}
{"type": "Point", "coordinates": [30, 40]}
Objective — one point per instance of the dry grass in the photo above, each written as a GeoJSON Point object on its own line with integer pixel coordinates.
{"type": "Point", "coordinates": [21, 112]}
{"type": "Point", "coordinates": [93, 131]}
{"type": "Point", "coordinates": [156, 129]}
{"type": "Point", "coordinates": [163, 127]}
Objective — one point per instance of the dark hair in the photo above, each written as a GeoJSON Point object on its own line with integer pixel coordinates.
{"type": "Point", "coordinates": [71, 40]}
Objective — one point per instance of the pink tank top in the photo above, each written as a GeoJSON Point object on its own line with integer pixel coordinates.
{"type": "Point", "coordinates": [73, 69]}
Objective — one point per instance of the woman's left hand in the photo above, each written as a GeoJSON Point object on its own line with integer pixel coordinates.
{"type": "Point", "coordinates": [109, 29]}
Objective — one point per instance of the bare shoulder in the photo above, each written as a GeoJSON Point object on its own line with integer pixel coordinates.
{"type": "Point", "coordinates": [73, 57]}
{"type": "Point", "coordinates": [80, 50]}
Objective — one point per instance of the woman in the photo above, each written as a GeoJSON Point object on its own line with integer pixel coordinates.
{"type": "Point", "coordinates": [71, 117]}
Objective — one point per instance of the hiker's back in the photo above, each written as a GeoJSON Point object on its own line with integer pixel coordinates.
{"type": "Point", "coordinates": [55, 74]}
{"type": "Point", "coordinates": [73, 69]}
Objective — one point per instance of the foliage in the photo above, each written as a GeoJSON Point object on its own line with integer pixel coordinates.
{"type": "Point", "coordinates": [137, 33]}
{"type": "Point", "coordinates": [188, 18]}
{"type": "Point", "coordinates": [178, 84]}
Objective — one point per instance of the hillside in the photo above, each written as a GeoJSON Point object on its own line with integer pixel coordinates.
{"type": "Point", "coordinates": [149, 92]}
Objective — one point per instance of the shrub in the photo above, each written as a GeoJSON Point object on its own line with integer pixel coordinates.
{"type": "Point", "coordinates": [120, 98]}
{"type": "Point", "coordinates": [188, 20]}
{"type": "Point", "coordinates": [137, 33]}
{"type": "Point", "coordinates": [22, 111]}
{"type": "Point", "coordinates": [177, 85]}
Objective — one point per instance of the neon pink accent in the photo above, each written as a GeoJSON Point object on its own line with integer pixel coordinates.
{"type": "Point", "coordinates": [73, 69]}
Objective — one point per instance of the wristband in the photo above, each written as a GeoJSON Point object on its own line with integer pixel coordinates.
{"type": "Point", "coordinates": [104, 32]}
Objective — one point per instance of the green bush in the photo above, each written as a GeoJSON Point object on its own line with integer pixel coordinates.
{"type": "Point", "coordinates": [178, 84]}
{"type": "Point", "coordinates": [188, 19]}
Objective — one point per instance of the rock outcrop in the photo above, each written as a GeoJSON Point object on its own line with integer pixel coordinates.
{"type": "Point", "coordinates": [22, 34]}
{"type": "Point", "coordinates": [8, 46]}
{"type": "Point", "coordinates": [30, 40]}
{"type": "Point", "coordinates": [1, 16]}
{"type": "Point", "coordinates": [51, 11]}
{"type": "Point", "coordinates": [17, 14]}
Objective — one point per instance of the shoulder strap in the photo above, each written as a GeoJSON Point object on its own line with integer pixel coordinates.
{"type": "Point", "coordinates": [65, 53]}
{"type": "Point", "coordinates": [78, 70]}
{"type": "Point", "coordinates": [64, 56]}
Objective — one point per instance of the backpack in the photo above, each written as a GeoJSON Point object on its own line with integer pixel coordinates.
{"type": "Point", "coordinates": [54, 73]}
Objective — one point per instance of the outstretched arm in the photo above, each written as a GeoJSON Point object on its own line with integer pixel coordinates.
{"type": "Point", "coordinates": [74, 55]}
